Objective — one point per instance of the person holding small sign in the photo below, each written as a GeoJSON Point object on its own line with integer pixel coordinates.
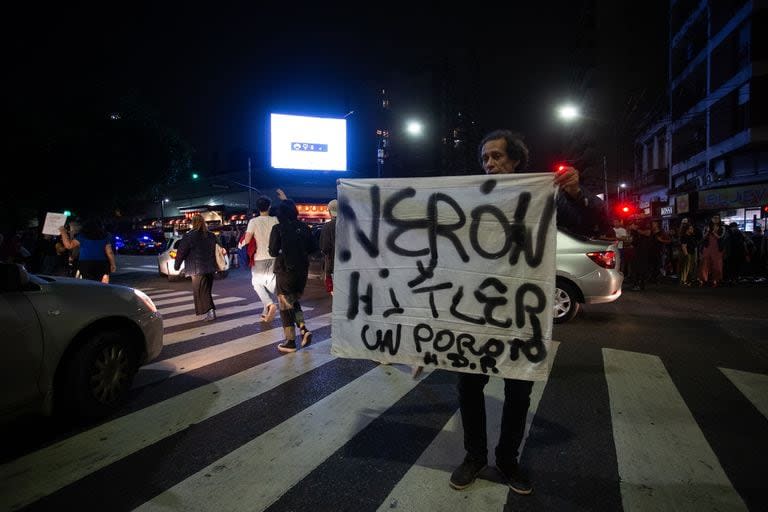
{"type": "Point", "coordinates": [503, 152]}
{"type": "Point", "coordinates": [96, 257]}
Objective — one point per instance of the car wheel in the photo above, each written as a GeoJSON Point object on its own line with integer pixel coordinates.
{"type": "Point", "coordinates": [99, 375]}
{"type": "Point", "coordinates": [566, 304]}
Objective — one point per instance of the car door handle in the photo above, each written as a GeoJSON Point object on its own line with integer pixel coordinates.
{"type": "Point", "coordinates": [54, 312]}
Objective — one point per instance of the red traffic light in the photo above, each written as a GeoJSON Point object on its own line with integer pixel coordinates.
{"type": "Point", "coordinates": [625, 209]}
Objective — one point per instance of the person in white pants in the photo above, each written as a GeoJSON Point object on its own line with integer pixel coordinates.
{"type": "Point", "coordinates": [263, 265]}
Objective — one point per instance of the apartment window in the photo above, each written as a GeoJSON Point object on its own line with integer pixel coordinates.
{"type": "Point", "coordinates": [742, 108]}
{"type": "Point", "coordinates": [742, 52]}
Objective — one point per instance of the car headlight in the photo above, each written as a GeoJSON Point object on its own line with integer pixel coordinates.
{"type": "Point", "coordinates": [146, 300]}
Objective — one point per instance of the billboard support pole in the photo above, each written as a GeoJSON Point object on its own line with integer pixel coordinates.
{"type": "Point", "coordinates": [250, 190]}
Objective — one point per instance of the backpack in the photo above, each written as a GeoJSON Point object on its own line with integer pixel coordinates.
{"type": "Point", "coordinates": [296, 244]}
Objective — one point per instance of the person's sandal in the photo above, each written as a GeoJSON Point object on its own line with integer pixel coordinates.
{"type": "Point", "coordinates": [306, 336]}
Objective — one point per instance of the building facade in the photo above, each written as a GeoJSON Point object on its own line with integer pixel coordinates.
{"type": "Point", "coordinates": [709, 154]}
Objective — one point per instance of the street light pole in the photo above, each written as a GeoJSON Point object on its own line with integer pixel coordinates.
{"type": "Point", "coordinates": [250, 189]}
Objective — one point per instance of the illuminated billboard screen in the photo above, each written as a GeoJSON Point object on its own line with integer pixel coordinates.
{"type": "Point", "coordinates": [308, 143]}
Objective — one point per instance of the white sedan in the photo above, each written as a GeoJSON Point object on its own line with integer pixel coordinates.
{"type": "Point", "coordinates": [71, 345]}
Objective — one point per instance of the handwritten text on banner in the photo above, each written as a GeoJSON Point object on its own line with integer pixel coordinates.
{"type": "Point", "coordinates": [454, 273]}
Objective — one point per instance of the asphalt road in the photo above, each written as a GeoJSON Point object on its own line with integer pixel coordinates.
{"type": "Point", "coordinates": [658, 401]}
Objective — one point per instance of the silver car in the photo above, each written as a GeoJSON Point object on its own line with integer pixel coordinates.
{"type": "Point", "coordinates": [587, 273]}
{"type": "Point", "coordinates": [70, 345]}
{"type": "Point", "coordinates": [167, 258]}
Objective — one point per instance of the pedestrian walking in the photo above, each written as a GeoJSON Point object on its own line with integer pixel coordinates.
{"type": "Point", "coordinates": [290, 243]}
{"type": "Point", "coordinates": [328, 245]}
{"type": "Point", "coordinates": [713, 247]}
{"type": "Point", "coordinates": [262, 263]}
{"type": "Point", "coordinates": [688, 247]}
{"type": "Point", "coordinates": [197, 251]}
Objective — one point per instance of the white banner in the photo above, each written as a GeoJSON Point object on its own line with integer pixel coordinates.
{"type": "Point", "coordinates": [456, 273]}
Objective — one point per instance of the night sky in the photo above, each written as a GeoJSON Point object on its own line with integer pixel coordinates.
{"type": "Point", "coordinates": [213, 73]}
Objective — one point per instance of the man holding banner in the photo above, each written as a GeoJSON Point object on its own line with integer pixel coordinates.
{"type": "Point", "coordinates": [502, 152]}
{"type": "Point", "coordinates": [458, 273]}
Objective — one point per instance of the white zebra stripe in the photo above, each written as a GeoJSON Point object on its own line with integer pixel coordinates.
{"type": "Point", "coordinates": [220, 313]}
{"type": "Point", "coordinates": [188, 362]}
{"type": "Point", "coordinates": [216, 327]}
{"type": "Point", "coordinates": [665, 462]}
{"type": "Point", "coordinates": [169, 294]}
{"type": "Point", "coordinates": [188, 306]}
{"type": "Point", "coordinates": [255, 475]}
{"type": "Point", "coordinates": [754, 386]}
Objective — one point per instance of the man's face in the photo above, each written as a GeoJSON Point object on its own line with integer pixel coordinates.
{"type": "Point", "coordinates": [495, 159]}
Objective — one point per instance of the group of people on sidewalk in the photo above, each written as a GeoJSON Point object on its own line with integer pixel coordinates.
{"type": "Point", "coordinates": [693, 256]}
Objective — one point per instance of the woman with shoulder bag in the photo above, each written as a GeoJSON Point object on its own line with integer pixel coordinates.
{"type": "Point", "coordinates": [197, 250]}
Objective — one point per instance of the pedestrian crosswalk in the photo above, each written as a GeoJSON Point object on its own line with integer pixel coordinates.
{"type": "Point", "coordinates": [309, 430]}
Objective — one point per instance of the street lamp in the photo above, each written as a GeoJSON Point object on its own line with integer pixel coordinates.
{"type": "Point", "coordinates": [568, 113]}
{"type": "Point", "coordinates": [618, 190]}
{"type": "Point", "coordinates": [414, 128]}
{"type": "Point", "coordinates": [162, 213]}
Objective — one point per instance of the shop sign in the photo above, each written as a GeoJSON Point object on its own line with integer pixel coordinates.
{"type": "Point", "coordinates": [666, 211]}
{"type": "Point", "coordinates": [734, 197]}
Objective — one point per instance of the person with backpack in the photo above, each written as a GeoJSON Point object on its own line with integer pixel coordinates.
{"type": "Point", "coordinates": [290, 243]}
{"type": "Point", "coordinates": [256, 240]}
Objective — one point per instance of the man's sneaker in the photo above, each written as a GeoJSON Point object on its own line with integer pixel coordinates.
{"type": "Point", "coordinates": [465, 474]}
{"type": "Point", "coordinates": [516, 479]}
{"type": "Point", "coordinates": [287, 346]}
{"type": "Point", "coordinates": [306, 336]}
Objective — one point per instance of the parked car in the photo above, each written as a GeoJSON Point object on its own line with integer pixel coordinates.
{"type": "Point", "coordinates": [587, 273]}
{"type": "Point", "coordinates": [167, 258]}
{"type": "Point", "coordinates": [71, 345]}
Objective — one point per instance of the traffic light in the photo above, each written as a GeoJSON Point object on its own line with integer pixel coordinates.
{"type": "Point", "coordinates": [625, 210]}
{"type": "Point", "coordinates": [764, 212]}
{"type": "Point", "coordinates": [67, 213]}
{"type": "Point", "coordinates": [195, 176]}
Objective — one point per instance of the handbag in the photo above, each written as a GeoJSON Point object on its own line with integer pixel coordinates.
{"type": "Point", "coordinates": [221, 261]}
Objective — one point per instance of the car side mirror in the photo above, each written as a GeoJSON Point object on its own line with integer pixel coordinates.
{"type": "Point", "coordinates": [13, 277]}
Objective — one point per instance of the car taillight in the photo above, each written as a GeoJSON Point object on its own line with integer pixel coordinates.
{"type": "Point", "coordinates": [606, 259]}
{"type": "Point", "coordinates": [172, 254]}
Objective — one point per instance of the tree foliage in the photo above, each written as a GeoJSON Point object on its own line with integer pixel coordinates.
{"type": "Point", "coordinates": [90, 155]}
